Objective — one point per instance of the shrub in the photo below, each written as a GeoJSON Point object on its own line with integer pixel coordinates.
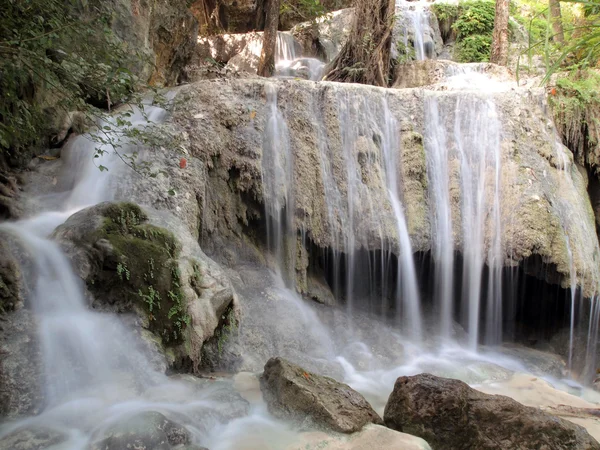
{"type": "Point", "coordinates": [474, 48]}
{"type": "Point", "coordinates": [471, 23]}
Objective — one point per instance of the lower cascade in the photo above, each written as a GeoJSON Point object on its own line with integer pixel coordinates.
{"type": "Point", "coordinates": [287, 263]}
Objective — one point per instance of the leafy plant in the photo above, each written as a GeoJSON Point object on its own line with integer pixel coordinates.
{"type": "Point", "coordinates": [57, 55]}
{"type": "Point", "coordinates": [302, 9]}
{"type": "Point", "coordinates": [474, 48]}
{"type": "Point", "coordinates": [471, 23]}
{"type": "Point", "coordinates": [476, 17]}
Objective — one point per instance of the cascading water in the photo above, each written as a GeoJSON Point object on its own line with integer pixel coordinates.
{"type": "Point", "coordinates": [407, 278]}
{"type": "Point", "coordinates": [96, 375]}
{"type": "Point", "coordinates": [289, 63]}
{"type": "Point", "coordinates": [438, 169]}
{"type": "Point", "coordinates": [418, 30]}
{"type": "Point", "coordinates": [97, 370]}
{"type": "Point", "coordinates": [470, 140]}
{"type": "Point", "coordinates": [351, 203]}
{"type": "Point", "coordinates": [277, 165]}
{"type": "Point", "coordinates": [417, 20]}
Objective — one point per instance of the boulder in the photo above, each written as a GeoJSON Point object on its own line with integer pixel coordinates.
{"type": "Point", "coordinates": [450, 415]}
{"type": "Point", "coordinates": [154, 267]}
{"type": "Point", "coordinates": [11, 289]}
{"type": "Point", "coordinates": [145, 431]}
{"type": "Point", "coordinates": [294, 394]}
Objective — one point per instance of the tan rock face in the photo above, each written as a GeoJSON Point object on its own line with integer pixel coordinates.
{"type": "Point", "coordinates": [340, 196]}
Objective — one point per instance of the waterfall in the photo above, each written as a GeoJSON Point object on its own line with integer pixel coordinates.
{"type": "Point", "coordinates": [277, 173]}
{"type": "Point", "coordinates": [369, 143]}
{"type": "Point", "coordinates": [438, 170]}
{"type": "Point", "coordinates": [83, 351]}
{"type": "Point", "coordinates": [468, 139]}
{"type": "Point", "coordinates": [418, 19]}
{"type": "Point", "coordinates": [417, 29]}
{"type": "Point", "coordinates": [407, 278]}
{"type": "Point", "coordinates": [285, 48]}
{"type": "Point", "coordinates": [289, 63]}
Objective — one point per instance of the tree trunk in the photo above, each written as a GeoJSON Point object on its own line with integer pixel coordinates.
{"type": "Point", "coordinates": [500, 36]}
{"type": "Point", "coordinates": [365, 58]}
{"type": "Point", "coordinates": [556, 20]}
{"type": "Point", "coordinates": [208, 15]}
{"type": "Point", "coordinates": [266, 66]}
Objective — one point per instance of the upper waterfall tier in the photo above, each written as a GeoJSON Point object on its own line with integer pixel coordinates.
{"type": "Point", "coordinates": [509, 189]}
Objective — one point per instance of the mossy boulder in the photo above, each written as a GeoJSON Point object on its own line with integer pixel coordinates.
{"type": "Point", "coordinates": [136, 260]}
{"type": "Point", "coordinates": [141, 269]}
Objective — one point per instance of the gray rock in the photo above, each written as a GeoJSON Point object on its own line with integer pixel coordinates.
{"type": "Point", "coordinates": [450, 415]}
{"type": "Point", "coordinates": [292, 393]}
{"type": "Point", "coordinates": [32, 439]}
{"type": "Point", "coordinates": [146, 431]}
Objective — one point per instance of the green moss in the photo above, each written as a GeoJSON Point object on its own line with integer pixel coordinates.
{"type": "Point", "coordinates": [146, 272]}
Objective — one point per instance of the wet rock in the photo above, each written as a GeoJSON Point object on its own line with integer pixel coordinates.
{"type": "Point", "coordinates": [450, 415]}
{"type": "Point", "coordinates": [294, 394]}
{"type": "Point", "coordinates": [146, 431]}
{"type": "Point", "coordinates": [546, 198]}
{"type": "Point", "coordinates": [21, 371]}
{"type": "Point", "coordinates": [11, 289]}
{"type": "Point", "coordinates": [431, 71]}
{"type": "Point", "coordinates": [33, 438]}
{"type": "Point", "coordinates": [325, 36]}
{"type": "Point", "coordinates": [537, 362]}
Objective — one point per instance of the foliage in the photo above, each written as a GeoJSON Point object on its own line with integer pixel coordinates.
{"type": "Point", "coordinates": [476, 17]}
{"type": "Point", "coordinates": [406, 52]}
{"type": "Point", "coordinates": [471, 23]}
{"type": "Point", "coordinates": [474, 48]}
{"type": "Point", "coordinates": [57, 55]}
{"type": "Point", "coordinates": [60, 56]}
{"type": "Point", "coordinates": [301, 9]}
{"type": "Point", "coordinates": [446, 14]}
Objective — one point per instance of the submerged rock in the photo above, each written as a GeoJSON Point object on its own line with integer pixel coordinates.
{"type": "Point", "coordinates": [450, 415]}
{"type": "Point", "coordinates": [292, 393]}
{"type": "Point", "coordinates": [32, 438]}
{"type": "Point", "coordinates": [146, 431]}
